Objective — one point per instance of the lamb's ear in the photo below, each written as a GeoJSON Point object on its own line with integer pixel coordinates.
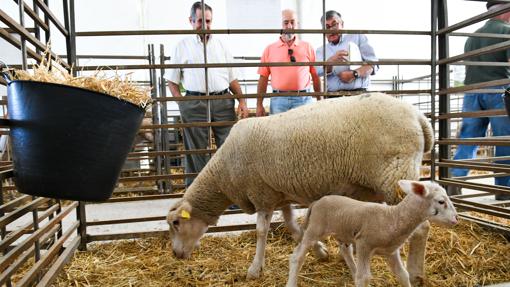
{"type": "Point", "coordinates": [405, 185]}
{"type": "Point", "coordinates": [419, 189]}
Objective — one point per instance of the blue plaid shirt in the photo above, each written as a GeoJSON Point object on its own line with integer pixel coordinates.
{"type": "Point", "coordinates": [367, 54]}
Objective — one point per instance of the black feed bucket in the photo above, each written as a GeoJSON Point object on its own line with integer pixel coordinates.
{"type": "Point", "coordinates": [67, 142]}
{"type": "Point", "coordinates": [506, 97]}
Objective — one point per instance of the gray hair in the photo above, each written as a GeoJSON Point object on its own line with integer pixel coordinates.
{"type": "Point", "coordinates": [198, 6]}
{"type": "Point", "coordinates": [330, 14]}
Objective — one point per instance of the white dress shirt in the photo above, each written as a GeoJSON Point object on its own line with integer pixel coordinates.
{"type": "Point", "coordinates": [191, 51]}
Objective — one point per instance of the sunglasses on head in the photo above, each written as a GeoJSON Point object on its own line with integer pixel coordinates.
{"type": "Point", "coordinates": [292, 58]}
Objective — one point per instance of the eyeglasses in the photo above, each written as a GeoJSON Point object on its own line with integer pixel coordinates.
{"type": "Point", "coordinates": [292, 58]}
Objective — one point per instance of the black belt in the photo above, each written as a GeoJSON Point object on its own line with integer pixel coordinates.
{"type": "Point", "coordinates": [339, 91]}
{"type": "Point", "coordinates": [299, 91]}
{"type": "Point", "coordinates": [193, 93]}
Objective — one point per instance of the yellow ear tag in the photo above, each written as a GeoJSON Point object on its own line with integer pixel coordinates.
{"type": "Point", "coordinates": [185, 214]}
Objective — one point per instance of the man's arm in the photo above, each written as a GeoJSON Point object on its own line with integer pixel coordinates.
{"type": "Point", "coordinates": [316, 82]}
{"type": "Point", "coordinates": [174, 89]}
{"type": "Point", "coordinates": [261, 90]}
{"type": "Point", "coordinates": [242, 108]}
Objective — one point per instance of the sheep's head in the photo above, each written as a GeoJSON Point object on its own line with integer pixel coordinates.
{"type": "Point", "coordinates": [185, 230]}
{"type": "Point", "coordinates": [440, 209]}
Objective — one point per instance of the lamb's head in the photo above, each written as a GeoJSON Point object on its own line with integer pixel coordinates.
{"type": "Point", "coordinates": [440, 209]}
{"type": "Point", "coordinates": [185, 229]}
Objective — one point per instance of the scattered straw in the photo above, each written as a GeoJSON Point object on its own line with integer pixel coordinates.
{"type": "Point", "coordinates": [49, 71]}
{"type": "Point", "coordinates": [465, 256]}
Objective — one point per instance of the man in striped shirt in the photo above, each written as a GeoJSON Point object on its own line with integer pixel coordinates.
{"type": "Point", "coordinates": [219, 81]}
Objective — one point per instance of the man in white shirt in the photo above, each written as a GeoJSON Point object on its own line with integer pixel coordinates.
{"type": "Point", "coordinates": [191, 51]}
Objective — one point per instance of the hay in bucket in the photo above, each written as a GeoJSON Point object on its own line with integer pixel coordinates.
{"type": "Point", "coordinates": [49, 71]}
{"type": "Point", "coordinates": [467, 255]}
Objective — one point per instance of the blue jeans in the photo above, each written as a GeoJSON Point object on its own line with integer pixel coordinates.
{"type": "Point", "coordinates": [283, 104]}
{"type": "Point", "coordinates": [477, 127]}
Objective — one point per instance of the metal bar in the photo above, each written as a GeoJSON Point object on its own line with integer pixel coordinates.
{"type": "Point", "coordinates": [172, 152]}
{"type": "Point", "coordinates": [493, 226]}
{"type": "Point", "coordinates": [475, 19]}
{"type": "Point", "coordinates": [9, 218]}
{"type": "Point", "coordinates": [476, 141]}
{"type": "Point", "coordinates": [15, 235]}
{"type": "Point", "coordinates": [58, 265]}
{"type": "Point", "coordinates": [444, 79]}
{"type": "Point", "coordinates": [477, 114]}
{"type": "Point", "coordinates": [476, 186]}
{"type": "Point", "coordinates": [244, 31]}
{"type": "Point", "coordinates": [52, 17]}
{"type": "Point", "coordinates": [193, 124]}
{"type": "Point", "coordinates": [155, 114]}
{"type": "Point", "coordinates": [24, 33]}
{"type": "Point", "coordinates": [212, 229]}
{"type": "Point", "coordinates": [466, 206]}
{"type": "Point", "coordinates": [81, 214]}
{"type": "Point", "coordinates": [22, 259]}
{"type": "Point", "coordinates": [21, 3]}
{"type": "Point", "coordinates": [39, 23]}
{"type": "Point", "coordinates": [470, 87]}
{"type": "Point", "coordinates": [433, 75]}
{"type": "Point", "coordinates": [481, 35]}
{"type": "Point", "coordinates": [482, 51]}
{"type": "Point", "coordinates": [11, 205]}
{"type": "Point", "coordinates": [145, 197]}
{"type": "Point", "coordinates": [14, 253]}
{"type": "Point", "coordinates": [39, 266]}
{"type": "Point", "coordinates": [157, 177]}
{"type": "Point", "coordinates": [251, 64]}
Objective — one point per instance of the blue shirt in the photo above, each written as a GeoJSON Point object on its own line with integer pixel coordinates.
{"type": "Point", "coordinates": [367, 54]}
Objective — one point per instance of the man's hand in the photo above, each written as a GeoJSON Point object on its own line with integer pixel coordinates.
{"type": "Point", "coordinates": [339, 56]}
{"type": "Point", "coordinates": [242, 110]}
{"type": "Point", "coordinates": [261, 112]}
{"type": "Point", "coordinates": [346, 76]}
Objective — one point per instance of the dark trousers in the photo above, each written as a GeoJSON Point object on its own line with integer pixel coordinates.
{"type": "Point", "coordinates": [197, 137]}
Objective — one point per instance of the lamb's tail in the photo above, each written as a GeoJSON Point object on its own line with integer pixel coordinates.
{"type": "Point", "coordinates": [428, 132]}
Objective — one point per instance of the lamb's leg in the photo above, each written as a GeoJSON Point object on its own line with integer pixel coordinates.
{"type": "Point", "coordinates": [346, 252]}
{"type": "Point", "coordinates": [398, 269]}
{"type": "Point", "coordinates": [263, 224]}
{"type": "Point", "coordinates": [290, 222]}
{"type": "Point", "coordinates": [362, 277]}
{"type": "Point", "coordinates": [297, 258]}
{"type": "Point", "coordinates": [416, 258]}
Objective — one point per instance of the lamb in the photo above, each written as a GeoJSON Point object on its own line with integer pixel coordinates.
{"type": "Point", "coordinates": [371, 140]}
{"type": "Point", "coordinates": [372, 227]}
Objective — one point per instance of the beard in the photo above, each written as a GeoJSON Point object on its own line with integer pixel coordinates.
{"type": "Point", "coordinates": [287, 36]}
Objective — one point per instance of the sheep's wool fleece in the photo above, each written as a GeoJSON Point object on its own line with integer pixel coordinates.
{"type": "Point", "coordinates": [372, 140]}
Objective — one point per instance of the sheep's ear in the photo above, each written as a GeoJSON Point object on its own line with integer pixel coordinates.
{"type": "Point", "coordinates": [185, 211]}
{"type": "Point", "coordinates": [419, 189]}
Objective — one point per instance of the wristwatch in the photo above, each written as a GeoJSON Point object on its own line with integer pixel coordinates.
{"type": "Point", "coordinates": [355, 74]}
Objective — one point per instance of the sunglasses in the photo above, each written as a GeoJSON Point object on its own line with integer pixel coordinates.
{"type": "Point", "coordinates": [292, 58]}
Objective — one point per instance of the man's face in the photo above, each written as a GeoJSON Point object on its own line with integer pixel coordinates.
{"type": "Point", "coordinates": [334, 23]}
{"type": "Point", "coordinates": [197, 22]}
{"type": "Point", "coordinates": [289, 21]}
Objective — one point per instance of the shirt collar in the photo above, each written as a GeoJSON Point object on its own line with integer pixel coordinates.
{"type": "Point", "coordinates": [198, 40]}
{"type": "Point", "coordinates": [295, 43]}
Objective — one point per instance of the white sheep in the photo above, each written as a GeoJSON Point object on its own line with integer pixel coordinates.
{"type": "Point", "coordinates": [373, 228]}
{"type": "Point", "coordinates": [371, 140]}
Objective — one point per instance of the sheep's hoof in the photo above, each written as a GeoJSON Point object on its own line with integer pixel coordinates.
{"type": "Point", "coordinates": [253, 272]}
{"type": "Point", "coordinates": [320, 251]}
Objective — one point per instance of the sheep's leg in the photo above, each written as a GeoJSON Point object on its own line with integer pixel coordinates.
{"type": "Point", "coordinates": [290, 222]}
{"type": "Point", "coordinates": [362, 277]}
{"type": "Point", "coordinates": [263, 224]}
{"type": "Point", "coordinates": [396, 266]}
{"type": "Point", "coordinates": [416, 258]}
{"type": "Point", "coordinates": [346, 252]}
{"type": "Point", "coordinates": [297, 258]}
